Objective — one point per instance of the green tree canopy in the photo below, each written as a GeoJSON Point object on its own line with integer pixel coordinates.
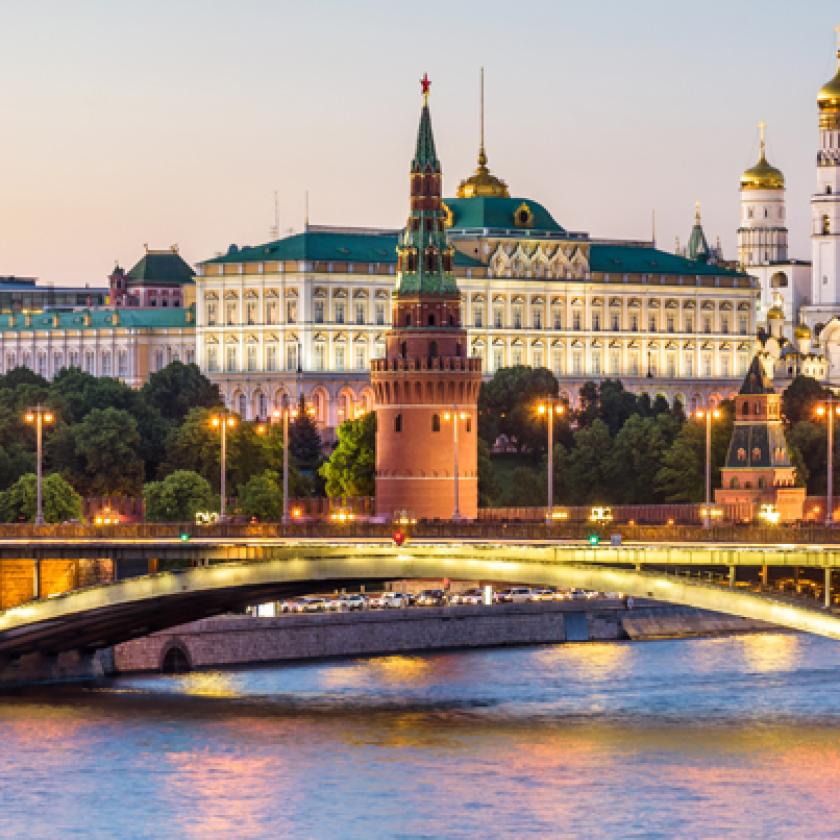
{"type": "Point", "coordinates": [636, 457]}
{"type": "Point", "coordinates": [262, 496]}
{"type": "Point", "coordinates": [60, 501]}
{"type": "Point", "coordinates": [178, 497]}
{"type": "Point", "coordinates": [350, 469]}
{"type": "Point", "coordinates": [178, 388]}
{"type": "Point", "coordinates": [507, 406]}
{"type": "Point", "coordinates": [587, 477]}
{"type": "Point", "coordinates": [489, 488]}
{"type": "Point", "coordinates": [105, 458]}
{"type": "Point", "coordinates": [800, 398]}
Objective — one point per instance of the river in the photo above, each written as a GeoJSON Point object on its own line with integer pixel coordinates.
{"type": "Point", "coordinates": [726, 737]}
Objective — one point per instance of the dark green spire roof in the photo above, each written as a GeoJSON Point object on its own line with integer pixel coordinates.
{"type": "Point", "coordinates": [425, 258]}
{"type": "Point", "coordinates": [425, 154]}
{"type": "Point", "coordinates": [161, 268]}
{"type": "Point", "coordinates": [756, 381]}
{"type": "Point", "coordinates": [698, 247]}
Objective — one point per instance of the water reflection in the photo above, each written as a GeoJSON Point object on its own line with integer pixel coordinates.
{"type": "Point", "coordinates": [731, 737]}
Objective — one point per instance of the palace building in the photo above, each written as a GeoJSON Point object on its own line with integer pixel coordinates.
{"type": "Point", "coordinates": [310, 311]}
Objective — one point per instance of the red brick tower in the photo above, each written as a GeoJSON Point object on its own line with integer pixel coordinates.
{"type": "Point", "coordinates": [426, 387]}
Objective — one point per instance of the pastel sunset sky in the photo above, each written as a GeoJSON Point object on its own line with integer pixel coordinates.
{"type": "Point", "coordinates": [175, 122]}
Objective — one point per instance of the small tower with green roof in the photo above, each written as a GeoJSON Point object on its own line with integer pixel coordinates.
{"type": "Point", "coordinates": [426, 382]}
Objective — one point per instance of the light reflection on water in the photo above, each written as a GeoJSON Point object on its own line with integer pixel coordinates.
{"type": "Point", "coordinates": [727, 737]}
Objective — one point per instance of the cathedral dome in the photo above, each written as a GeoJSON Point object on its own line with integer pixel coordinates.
{"type": "Point", "coordinates": [802, 331]}
{"type": "Point", "coordinates": [482, 184]}
{"type": "Point", "coordinates": [762, 176]}
{"type": "Point", "coordinates": [775, 314]}
{"type": "Point", "coordinates": [829, 95]}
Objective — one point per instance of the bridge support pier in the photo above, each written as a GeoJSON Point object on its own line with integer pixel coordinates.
{"type": "Point", "coordinates": [36, 578]}
{"type": "Point", "coordinates": [764, 575]}
{"type": "Point", "coordinates": [733, 573]}
{"type": "Point", "coordinates": [827, 589]}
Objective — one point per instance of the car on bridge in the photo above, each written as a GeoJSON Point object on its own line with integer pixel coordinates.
{"type": "Point", "coordinates": [514, 595]}
{"type": "Point", "coordinates": [350, 602]}
{"type": "Point", "coordinates": [431, 598]}
{"type": "Point", "coordinates": [395, 600]}
{"type": "Point", "coordinates": [472, 597]}
{"type": "Point", "coordinates": [311, 605]}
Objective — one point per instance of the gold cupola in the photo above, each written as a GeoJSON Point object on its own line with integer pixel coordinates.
{"type": "Point", "coordinates": [482, 184]}
{"type": "Point", "coordinates": [828, 99]}
{"type": "Point", "coordinates": [762, 176]}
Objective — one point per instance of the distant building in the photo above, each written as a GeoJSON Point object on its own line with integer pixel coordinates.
{"type": "Point", "coordinates": [160, 279]}
{"type": "Point", "coordinates": [23, 294]}
{"type": "Point", "coordinates": [127, 344]}
{"type": "Point", "coordinates": [758, 469]}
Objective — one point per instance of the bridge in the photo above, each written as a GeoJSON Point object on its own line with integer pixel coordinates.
{"type": "Point", "coordinates": [217, 575]}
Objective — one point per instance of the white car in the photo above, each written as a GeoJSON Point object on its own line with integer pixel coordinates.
{"type": "Point", "coordinates": [472, 597]}
{"type": "Point", "coordinates": [310, 605]}
{"type": "Point", "coordinates": [395, 600]}
{"type": "Point", "coordinates": [351, 602]}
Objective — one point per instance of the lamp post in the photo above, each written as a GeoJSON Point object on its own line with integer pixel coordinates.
{"type": "Point", "coordinates": [550, 408]}
{"type": "Point", "coordinates": [709, 414]}
{"type": "Point", "coordinates": [223, 421]}
{"type": "Point", "coordinates": [39, 416]}
{"type": "Point", "coordinates": [828, 410]}
{"type": "Point", "coordinates": [455, 416]}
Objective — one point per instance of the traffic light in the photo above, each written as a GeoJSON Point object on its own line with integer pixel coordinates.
{"type": "Point", "coordinates": [593, 540]}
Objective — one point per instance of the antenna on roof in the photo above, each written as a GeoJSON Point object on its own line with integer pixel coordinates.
{"type": "Point", "coordinates": [274, 230]}
{"type": "Point", "coordinates": [306, 210]}
{"type": "Point", "coordinates": [653, 226]}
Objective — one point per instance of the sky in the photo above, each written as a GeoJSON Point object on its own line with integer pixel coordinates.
{"type": "Point", "coordinates": [127, 123]}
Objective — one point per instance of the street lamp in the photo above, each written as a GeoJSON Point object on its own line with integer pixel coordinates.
{"type": "Point", "coordinates": [708, 414]}
{"type": "Point", "coordinates": [829, 410]}
{"type": "Point", "coordinates": [550, 408]}
{"type": "Point", "coordinates": [40, 417]}
{"type": "Point", "coordinates": [455, 416]}
{"type": "Point", "coordinates": [223, 421]}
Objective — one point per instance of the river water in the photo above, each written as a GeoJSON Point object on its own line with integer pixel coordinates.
{"type": "Point", "coordinates": [727, 737]}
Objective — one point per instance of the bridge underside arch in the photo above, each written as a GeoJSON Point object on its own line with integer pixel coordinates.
{"type": "Point", "coordinates": [99, 617]}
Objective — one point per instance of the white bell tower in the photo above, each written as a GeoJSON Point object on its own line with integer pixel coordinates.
{"type": "Point", "coordinates": [825, 204]}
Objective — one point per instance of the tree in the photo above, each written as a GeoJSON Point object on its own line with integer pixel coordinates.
{"type": "Point", "coordinates": [526, 489]}
{"type": "Point", "coordinates": [587, 404]}
{"type": "Point", "coordinates": [262, 496]}
{"type": "Point", "coordinates": [105, 460]}
{"type": "Point", "coordinates": [636, 457]}
{"type": "Point", "coordinates": [350, 469]}
{"type": "Point", "coordinates": [20, 375]}
{"type": "Point", "coordinates": [60, 501]}
{"type": "Point", "coordinates": [615, 405]}
{"type": "Point", "coordinates": [178, 497]}
{"type": "Point", "coordinates": [800, 397]}
{"type": "Point", "coordinates": [75, 394]}
{"type": "Point", "coordinates": [305, 443]}
{"type": "Point", "coordinates": [178, 388]}
{"type": "Point", "coordinates": [807, 440]}
{"type": "Point", "coordinates": [488, 483]}
{"type": "Point", "coordinates": [587, 477]}
{"type": "Point", "coordinates": [506, 406]}
{"type": "Point", "coordinates": [682, 477]}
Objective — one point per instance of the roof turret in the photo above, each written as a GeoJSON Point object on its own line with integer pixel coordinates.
{"type": "Point", "coordinates": [698, 247]}
{"type": "Point", "coordinates": [756, 381]}
{"type": "Point", "coordinates": [762, 176]}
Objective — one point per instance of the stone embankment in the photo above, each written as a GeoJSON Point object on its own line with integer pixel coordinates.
{"type": "Point", "coordinates": [246, 640]}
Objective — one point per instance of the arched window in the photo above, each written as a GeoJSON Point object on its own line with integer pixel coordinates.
{"type": "Point", "coordinates": [433, 350]}
{"type": "Point", "coordinates": [733, 484]}
{"type": "Point", "coordinates": [756, 453]}
{"type": "Point", "coordinates": [745, 409]}
{"type": "Point", "coordinates": [468, 424]}
{"type": "Point", "coordinates": [431, 319]}
{"type": "Point", "coordinates": [435, 422]}
{"type": "Point", "coordinates": [760, 483]}
{"type": "Point", "coordinates": [757, 409]}
{"type": "Point", "coordinates": [243, 406]}
{"type": "Point", "coordinates": [398, 423]}
{"type": "Point", "coordinates": [408, 319]}
{"type": "Point", "coordinates": [403, 349]}
{"type": "Point", "coordinates": [826, 226]}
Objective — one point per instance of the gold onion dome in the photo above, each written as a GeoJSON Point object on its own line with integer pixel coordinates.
{"type": "Point", "coordinates": [829, 95]}
{"type": "Point", "coordinates": [802, 331]}
{"type": "Point", "coordinates": [775, 314]}
{"type": "Point", "coordinates": [483, 184]}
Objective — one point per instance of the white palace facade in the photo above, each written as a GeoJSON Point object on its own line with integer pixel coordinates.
{"type": "Point", "coordinates": [306, 314]}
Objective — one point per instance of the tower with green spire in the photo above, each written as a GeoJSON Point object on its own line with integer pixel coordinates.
{"type": "Point", "coordinates": [426, 387]}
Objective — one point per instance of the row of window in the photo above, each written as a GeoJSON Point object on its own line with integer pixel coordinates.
{"type": "Point", "coordinates": [102, 363]}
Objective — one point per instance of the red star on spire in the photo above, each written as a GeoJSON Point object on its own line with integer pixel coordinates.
{"type": "Point", "coordinates": [425, 84]}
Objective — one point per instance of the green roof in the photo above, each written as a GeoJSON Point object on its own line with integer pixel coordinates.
{"type": "Point", "coordinates": [500, 213]}
{"type": "Point", "coordinates": [631, 259]}
{"type": "Point", "coordinates": [161, 268]}
{"type": "Point", "coordinates": [756, 381]}
{"type": "Point", "coordinates": [326, 246]}
{"type": "Point", "coordinates": [101, 319]}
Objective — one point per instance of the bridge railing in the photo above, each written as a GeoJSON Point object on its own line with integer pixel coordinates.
{"type": "Point", "coordinates": [479, 530]}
